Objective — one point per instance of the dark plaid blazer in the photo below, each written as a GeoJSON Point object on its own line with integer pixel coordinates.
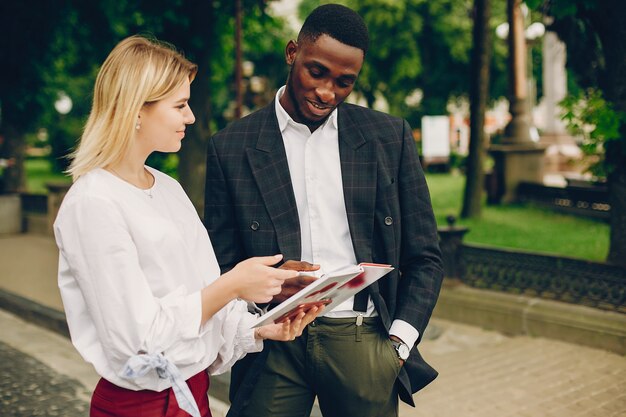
{"type": "Point", "coordinates": [250, 210]}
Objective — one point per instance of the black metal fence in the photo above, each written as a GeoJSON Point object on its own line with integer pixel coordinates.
{"type": "Point", "coordinates": [559, 278]}
{"type": "Point", "coordinates": [591, 201]}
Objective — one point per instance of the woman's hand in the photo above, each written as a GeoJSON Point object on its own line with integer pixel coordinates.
{"type": "Point", "coordinates": [255, 280]}
{"type": "Point", "coordinates": [288, 330]}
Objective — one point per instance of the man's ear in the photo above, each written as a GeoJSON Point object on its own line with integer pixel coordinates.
{"type": "Point", "coordinates": [290, 52]}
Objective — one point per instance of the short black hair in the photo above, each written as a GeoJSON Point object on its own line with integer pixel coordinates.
{"type": "Point", "coordinates": [339, 22]}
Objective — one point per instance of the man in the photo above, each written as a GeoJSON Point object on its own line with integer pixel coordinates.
{"type": "Point", "coordinates": [332, 184]}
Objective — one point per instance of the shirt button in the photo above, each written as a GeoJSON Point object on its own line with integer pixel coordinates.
{"type": "Point", "coordinates": [388, 221]}
{"type": "Point", "coordinates": [254, 225]}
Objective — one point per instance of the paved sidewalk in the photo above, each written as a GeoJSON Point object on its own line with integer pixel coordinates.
{"type": "Point", "coordinates": [29, 268]}
{"type": "Point", "coordinates": [487, 374]}
{"type": "Point", "coordinates": [482, 373]}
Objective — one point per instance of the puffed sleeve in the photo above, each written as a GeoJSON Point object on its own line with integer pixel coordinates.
{"type": "Point", "coordinates": [99, 254]}
{"type": "Point", "coordinates": [237, 336]}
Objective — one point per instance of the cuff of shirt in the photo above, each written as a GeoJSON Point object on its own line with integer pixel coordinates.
{"type": "Point", "coordinates": [407, 333]}
{"type": "Point", "coordinates": [249, 343]}
{"type": "Point", "coordinates": [259, 310]}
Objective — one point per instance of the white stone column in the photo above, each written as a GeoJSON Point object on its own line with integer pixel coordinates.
{"type": "Point", "coordinates": [554, 82]}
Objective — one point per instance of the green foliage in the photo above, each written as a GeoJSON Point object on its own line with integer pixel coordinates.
{"type": "Point", "coordinates": [589, 116]}
{"type": "Point", "coordinates": [563, 8]}
{"type": "Point", "coordinates": [26, 56]}
{"type": "Point", "coordinates": [165, 162]}
{"type": "Point", "coordinates": [75, 37]}
{"type": "Point", "coordinates": [458, 161]}
{"type": "Point", "coordinates": [307, 6]}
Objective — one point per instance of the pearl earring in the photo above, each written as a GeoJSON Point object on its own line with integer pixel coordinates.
{"type": "Point", "coordinates": [138, 126]}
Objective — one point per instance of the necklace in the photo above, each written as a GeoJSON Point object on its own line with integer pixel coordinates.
{"type": "Point", "coordinates": [146, 191]}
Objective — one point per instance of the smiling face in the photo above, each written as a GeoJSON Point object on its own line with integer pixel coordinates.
{"type": "Point", "coordinates": [163, 123]}
{"type": "Point", "coordinates": [322, 75]}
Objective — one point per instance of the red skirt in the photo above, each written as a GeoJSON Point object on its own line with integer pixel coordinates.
{"type": "Point", "coordinates": [109, 400]}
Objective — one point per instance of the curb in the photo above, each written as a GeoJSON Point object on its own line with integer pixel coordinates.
{"type": "Point", "coordinates": [515, 314]}
{"type": "Point", "coordinates": [33, 312]}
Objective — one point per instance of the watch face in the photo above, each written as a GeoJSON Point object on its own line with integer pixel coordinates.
{"type": "Point", "coordinates": [403, 351]}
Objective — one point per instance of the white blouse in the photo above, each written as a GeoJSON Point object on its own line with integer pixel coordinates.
{"type": "Point", "coordinates": [132, 264]}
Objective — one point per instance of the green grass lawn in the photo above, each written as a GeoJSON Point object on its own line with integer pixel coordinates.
{"type": "Point", "coordinates": [524, 227]}
{"type": "Point", "coordinates": [38, 173]}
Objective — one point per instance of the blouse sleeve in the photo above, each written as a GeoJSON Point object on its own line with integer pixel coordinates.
{"type": "Point", "coordinates": [238, 336]}
{"type": "Point", "coordinates": [101, 257]}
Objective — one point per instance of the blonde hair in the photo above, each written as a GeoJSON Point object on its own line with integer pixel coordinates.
{"type": "Point", "coordinates": [138, 71]}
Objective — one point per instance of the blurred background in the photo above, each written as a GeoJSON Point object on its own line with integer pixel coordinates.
{"type": "Point", "coordinates": [518, 108]}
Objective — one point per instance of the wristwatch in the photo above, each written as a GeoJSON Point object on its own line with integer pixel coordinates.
{"type": "Point", "coordinates": [401, 349]}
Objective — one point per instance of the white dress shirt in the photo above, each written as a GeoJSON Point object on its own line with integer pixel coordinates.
{"type": "Point", "coordinates": [132, 264]}
{"type": "Point", "coordinates": [315, 169]}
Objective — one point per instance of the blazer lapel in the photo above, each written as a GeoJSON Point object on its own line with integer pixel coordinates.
{"type": "Point", "coordinates": [270, 169]}
{"type": "Point", "coordinates": [358, 170]}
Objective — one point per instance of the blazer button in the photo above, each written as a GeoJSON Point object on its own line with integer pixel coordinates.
{"type": "Point", "coordinates": [388, 221]}
{"type": "Point", "coordinates": [254, 225]}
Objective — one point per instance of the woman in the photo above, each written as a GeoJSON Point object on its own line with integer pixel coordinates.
{"type": "Point", "coordinates": [140, 284]}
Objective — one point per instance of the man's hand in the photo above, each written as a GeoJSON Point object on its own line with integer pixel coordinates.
{"type": "Point", "coordinates": [293, 285]}
{"type": "Point", "coordinates": [288, 329]}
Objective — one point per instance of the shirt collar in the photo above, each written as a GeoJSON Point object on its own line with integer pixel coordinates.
{"type": "Point", "coordinates": [284, 119]}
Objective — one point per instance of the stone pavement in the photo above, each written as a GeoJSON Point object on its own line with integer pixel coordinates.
{"type": "Point", "coordinates": [487, 374]}
{"type": "Point", "coordinates": [482, 373]}
{"type": "Point", "coordinates": [30, 388]}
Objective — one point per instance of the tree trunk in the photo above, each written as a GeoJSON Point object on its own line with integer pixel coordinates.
{"type": "Point", "coordinates": [617, 198]}
{"type": "Point", "coordinates": [192, 162]}
{"type": "Point", "coordinates": [479, 90]}
{"type": "Point", "coordinates": [607, 19]}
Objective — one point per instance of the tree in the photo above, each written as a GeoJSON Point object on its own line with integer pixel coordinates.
{"type": "Point", "coordinates": [479, 87]}
{"type": "Point", "coordinates": [25, 58]}
{"type": "Point", "coordinates": [69, 39]}
{"type": "Point", "coordinates": [595, 35]}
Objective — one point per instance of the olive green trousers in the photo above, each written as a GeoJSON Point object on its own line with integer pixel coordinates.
{"type": "Point", "coordinates": [351, 370]}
